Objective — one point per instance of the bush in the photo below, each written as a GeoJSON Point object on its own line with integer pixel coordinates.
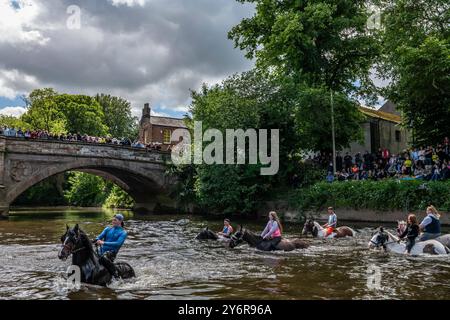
{"type": "Point", "coordinates": [118, 198]}
{"type": "Point", "coordinates": [376, 195]}
{"type": "Point", "coordinates": [86, 190]}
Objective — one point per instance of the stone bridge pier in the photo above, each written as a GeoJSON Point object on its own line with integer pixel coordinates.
{"type": "Point", "coordinates": [141, 173]}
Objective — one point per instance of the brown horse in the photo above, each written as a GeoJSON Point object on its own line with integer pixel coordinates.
{"type": "Point", "coordinates": [266, 245]}
{"type": "Point", "coordinates": [317, 230]}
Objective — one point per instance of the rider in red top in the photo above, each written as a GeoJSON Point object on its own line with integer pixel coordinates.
{"type": "Point", "coordinates": [332, 222]}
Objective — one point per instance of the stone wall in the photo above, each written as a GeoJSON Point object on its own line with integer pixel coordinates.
{"type": "Point", "coordinates": [361, 215]}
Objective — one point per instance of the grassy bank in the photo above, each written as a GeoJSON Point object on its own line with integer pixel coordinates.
{"type": "Point", "coordinates": [375, 195]}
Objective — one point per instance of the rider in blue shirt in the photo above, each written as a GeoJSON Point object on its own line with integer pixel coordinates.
{"type": "Point", "coordinates": [110, 241]}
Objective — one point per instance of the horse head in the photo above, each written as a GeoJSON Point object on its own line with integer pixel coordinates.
{"type": "Point", "coordinates": [379, 238]}
{"type": "Point", "coordinates": [401, 227]}
{"type": "Point", "coordinates": [72, 242]}
{"type": "Point", "coordinates": [310, 227]}
{"type": "Point", "coordinates": [206, 234]}
{"type": "Point", "coordinates": [237, 237]}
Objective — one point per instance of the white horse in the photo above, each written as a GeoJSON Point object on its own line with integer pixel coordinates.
{"type": "Point", "coordinates": [317, 230]}
{"type": "Point", "coordinates": [391, 243]}
{"type": "Point", "coordinates": [444, 239]}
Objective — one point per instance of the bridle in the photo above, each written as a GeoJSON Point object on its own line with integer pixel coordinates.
{"type": "Point", "coordinates": [70, 248]}
{"type": "Point", "coordinates": [382, 244]}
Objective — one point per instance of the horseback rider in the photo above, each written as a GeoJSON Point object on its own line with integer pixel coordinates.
{"type": "Point", "coordinates": [430, 225]}
{"type": "Point", "coordinates": [110, 241]}
{"type": "Point", "coordinates": [227, 229]}
{"type": "Point", "coordinates": [411, 232]}
{"type": "Point", "coordinates": [332, 222]}
{"type": "Point", "coordinates": [272, 231]}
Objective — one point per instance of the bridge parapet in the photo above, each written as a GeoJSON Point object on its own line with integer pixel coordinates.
{"type": "Point", "coordinates": [23, 163]}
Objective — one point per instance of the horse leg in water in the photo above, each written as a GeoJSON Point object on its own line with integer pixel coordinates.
{"type": "Point", "coordinates": [107, 260]}
{"type": "Point", "coordinates": [125, 270]}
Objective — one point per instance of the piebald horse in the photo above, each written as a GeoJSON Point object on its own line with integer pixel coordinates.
{"type": "Point", "coordinates": [444, 239]}
{"type": "Point", "coordinates": [390, 243]}
{"type": "Point", "coordinates": [265, 245]}
{"type": "Point", "coordinates": [318, 231]}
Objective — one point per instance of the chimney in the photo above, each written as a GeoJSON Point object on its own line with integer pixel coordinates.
{"type": "Point", "coordinates": [146, 111]}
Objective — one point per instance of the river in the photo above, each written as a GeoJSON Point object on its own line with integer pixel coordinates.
{"type": "Point", "coordinates": [171, 264]}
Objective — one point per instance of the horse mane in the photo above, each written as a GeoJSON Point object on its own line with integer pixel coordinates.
{"type": "Point", "coordinates": [316, 224]}
{"type": "Point", "coordinates": [86, 242]}
{"type": "Point", "coordinates": [249, 233]}
{"type": "Point", "coordinates": [392, 236]}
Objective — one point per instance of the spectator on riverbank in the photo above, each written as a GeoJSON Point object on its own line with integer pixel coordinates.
{"type": "Point", "coordinates": [425, 163]}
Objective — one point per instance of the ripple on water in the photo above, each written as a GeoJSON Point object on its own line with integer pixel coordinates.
{"type": "Point", "coordinates": [171, 264]}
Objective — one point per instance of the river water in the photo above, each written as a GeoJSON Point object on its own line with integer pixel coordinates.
{"type": "Point", "coordinates": [171, 264]}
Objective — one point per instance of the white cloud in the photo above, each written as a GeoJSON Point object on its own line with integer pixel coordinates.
{"type": "Point", "coordinates": [142, 50]}
{"type": "Point", "coordinates": [128, 3]}
{"type": "Point", "coordinates": [14, 83]}
{"type": "Point", "coordinates": [17, 24]}
{"type": "Point", "coordinates": [13, 111]}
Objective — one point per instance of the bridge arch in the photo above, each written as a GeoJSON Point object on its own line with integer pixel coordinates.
{"type": "Point", "coordinates": [139, 172]}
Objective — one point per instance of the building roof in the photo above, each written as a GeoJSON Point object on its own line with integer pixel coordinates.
{"type": "Point", "coordinates": [167, 122]}
{"type": "Point", "coordinates": [381, 115]}
{"type": "Point", "coordinates": [390, 107]}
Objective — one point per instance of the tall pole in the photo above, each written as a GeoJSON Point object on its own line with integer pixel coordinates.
{"type": "Point", "coordinates": [333, 137]}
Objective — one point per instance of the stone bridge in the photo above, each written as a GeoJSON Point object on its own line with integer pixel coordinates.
{"type": "Point", "coordinates": [141, 173]}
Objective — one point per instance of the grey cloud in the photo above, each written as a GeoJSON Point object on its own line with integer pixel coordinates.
{"type": "Point", "coordinates": [164, 48]}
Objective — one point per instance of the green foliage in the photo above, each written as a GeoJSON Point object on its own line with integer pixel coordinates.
{"type": "Point", "coordinates": [82, 114]}
{"type": "Point", "coordinates": [416, 58]}
{"type": "Point", "coordinates": [43, 110]}
{"type": "Point", "coordinates": [118, 117]}
{"type": "Point", "coordinates": [118, 198]}
{"type": "Point", "coordinates": [313, 120]}
{"type": "Point", "coordinates": [321, 42]}
{"type": "Point", "coordinates": [13, 122]}
{"type": "Point", "coordinates": [45, 193]}
{"type": "Point", "coordinates": [64, 113]}
{"type": "Point", "coordinates": [229, 189]}
{"type": "Point", "coordinates": [375, 195]}
{"type": "Point", "coordinates": [86, 190]}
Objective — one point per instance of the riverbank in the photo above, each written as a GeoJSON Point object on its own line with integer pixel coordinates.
{"type": "Point", "coordinates": [291, 214]}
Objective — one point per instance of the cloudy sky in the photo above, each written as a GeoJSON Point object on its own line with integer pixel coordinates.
{"type": "Point", "coordinates": [142, 50]}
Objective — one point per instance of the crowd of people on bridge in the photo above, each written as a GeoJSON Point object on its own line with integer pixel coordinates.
{"type": "Point", "coordinates": [425, 163]}
{"type": "Point", "coordinates": [74, 137]}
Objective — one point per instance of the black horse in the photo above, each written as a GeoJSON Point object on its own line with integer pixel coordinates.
{"type": "Point", "coordinates": [207, 234]}
{"type": "Point", "coordinates": [76, 243]}
{"type": "Point", "coordinates": [266, 245]}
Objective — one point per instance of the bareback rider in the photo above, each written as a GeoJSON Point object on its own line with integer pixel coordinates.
{"type": "Point", "coordinates": [332, 222]}
{"type": "Point", "coordinates": [110, 241]}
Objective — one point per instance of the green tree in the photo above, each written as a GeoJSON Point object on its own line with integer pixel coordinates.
{"type": "Point", "coordinates": [82, 114]}
{"type": "Point", "coordinates": [43, 110]}
{"type": "Point", "coordinates": [313, 120]}
{"type": "Point", "coordinates": [416, 60]}
{"type": "Point", "coordinates": [86, 190]}
{"type": "Point", "coordinates": [13, 122]}
{"type": "Point", "coordinates": [118, 198]}
{"type": "Point", "coordinates": [322, 43]}
{"type": "Point", "coordinates": [118, 117]}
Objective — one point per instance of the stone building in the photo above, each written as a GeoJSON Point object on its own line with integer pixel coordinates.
{"type": "Point", "coordinates": [382, 129]}
{"type": "Point", "coordinates": [158, 130]}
